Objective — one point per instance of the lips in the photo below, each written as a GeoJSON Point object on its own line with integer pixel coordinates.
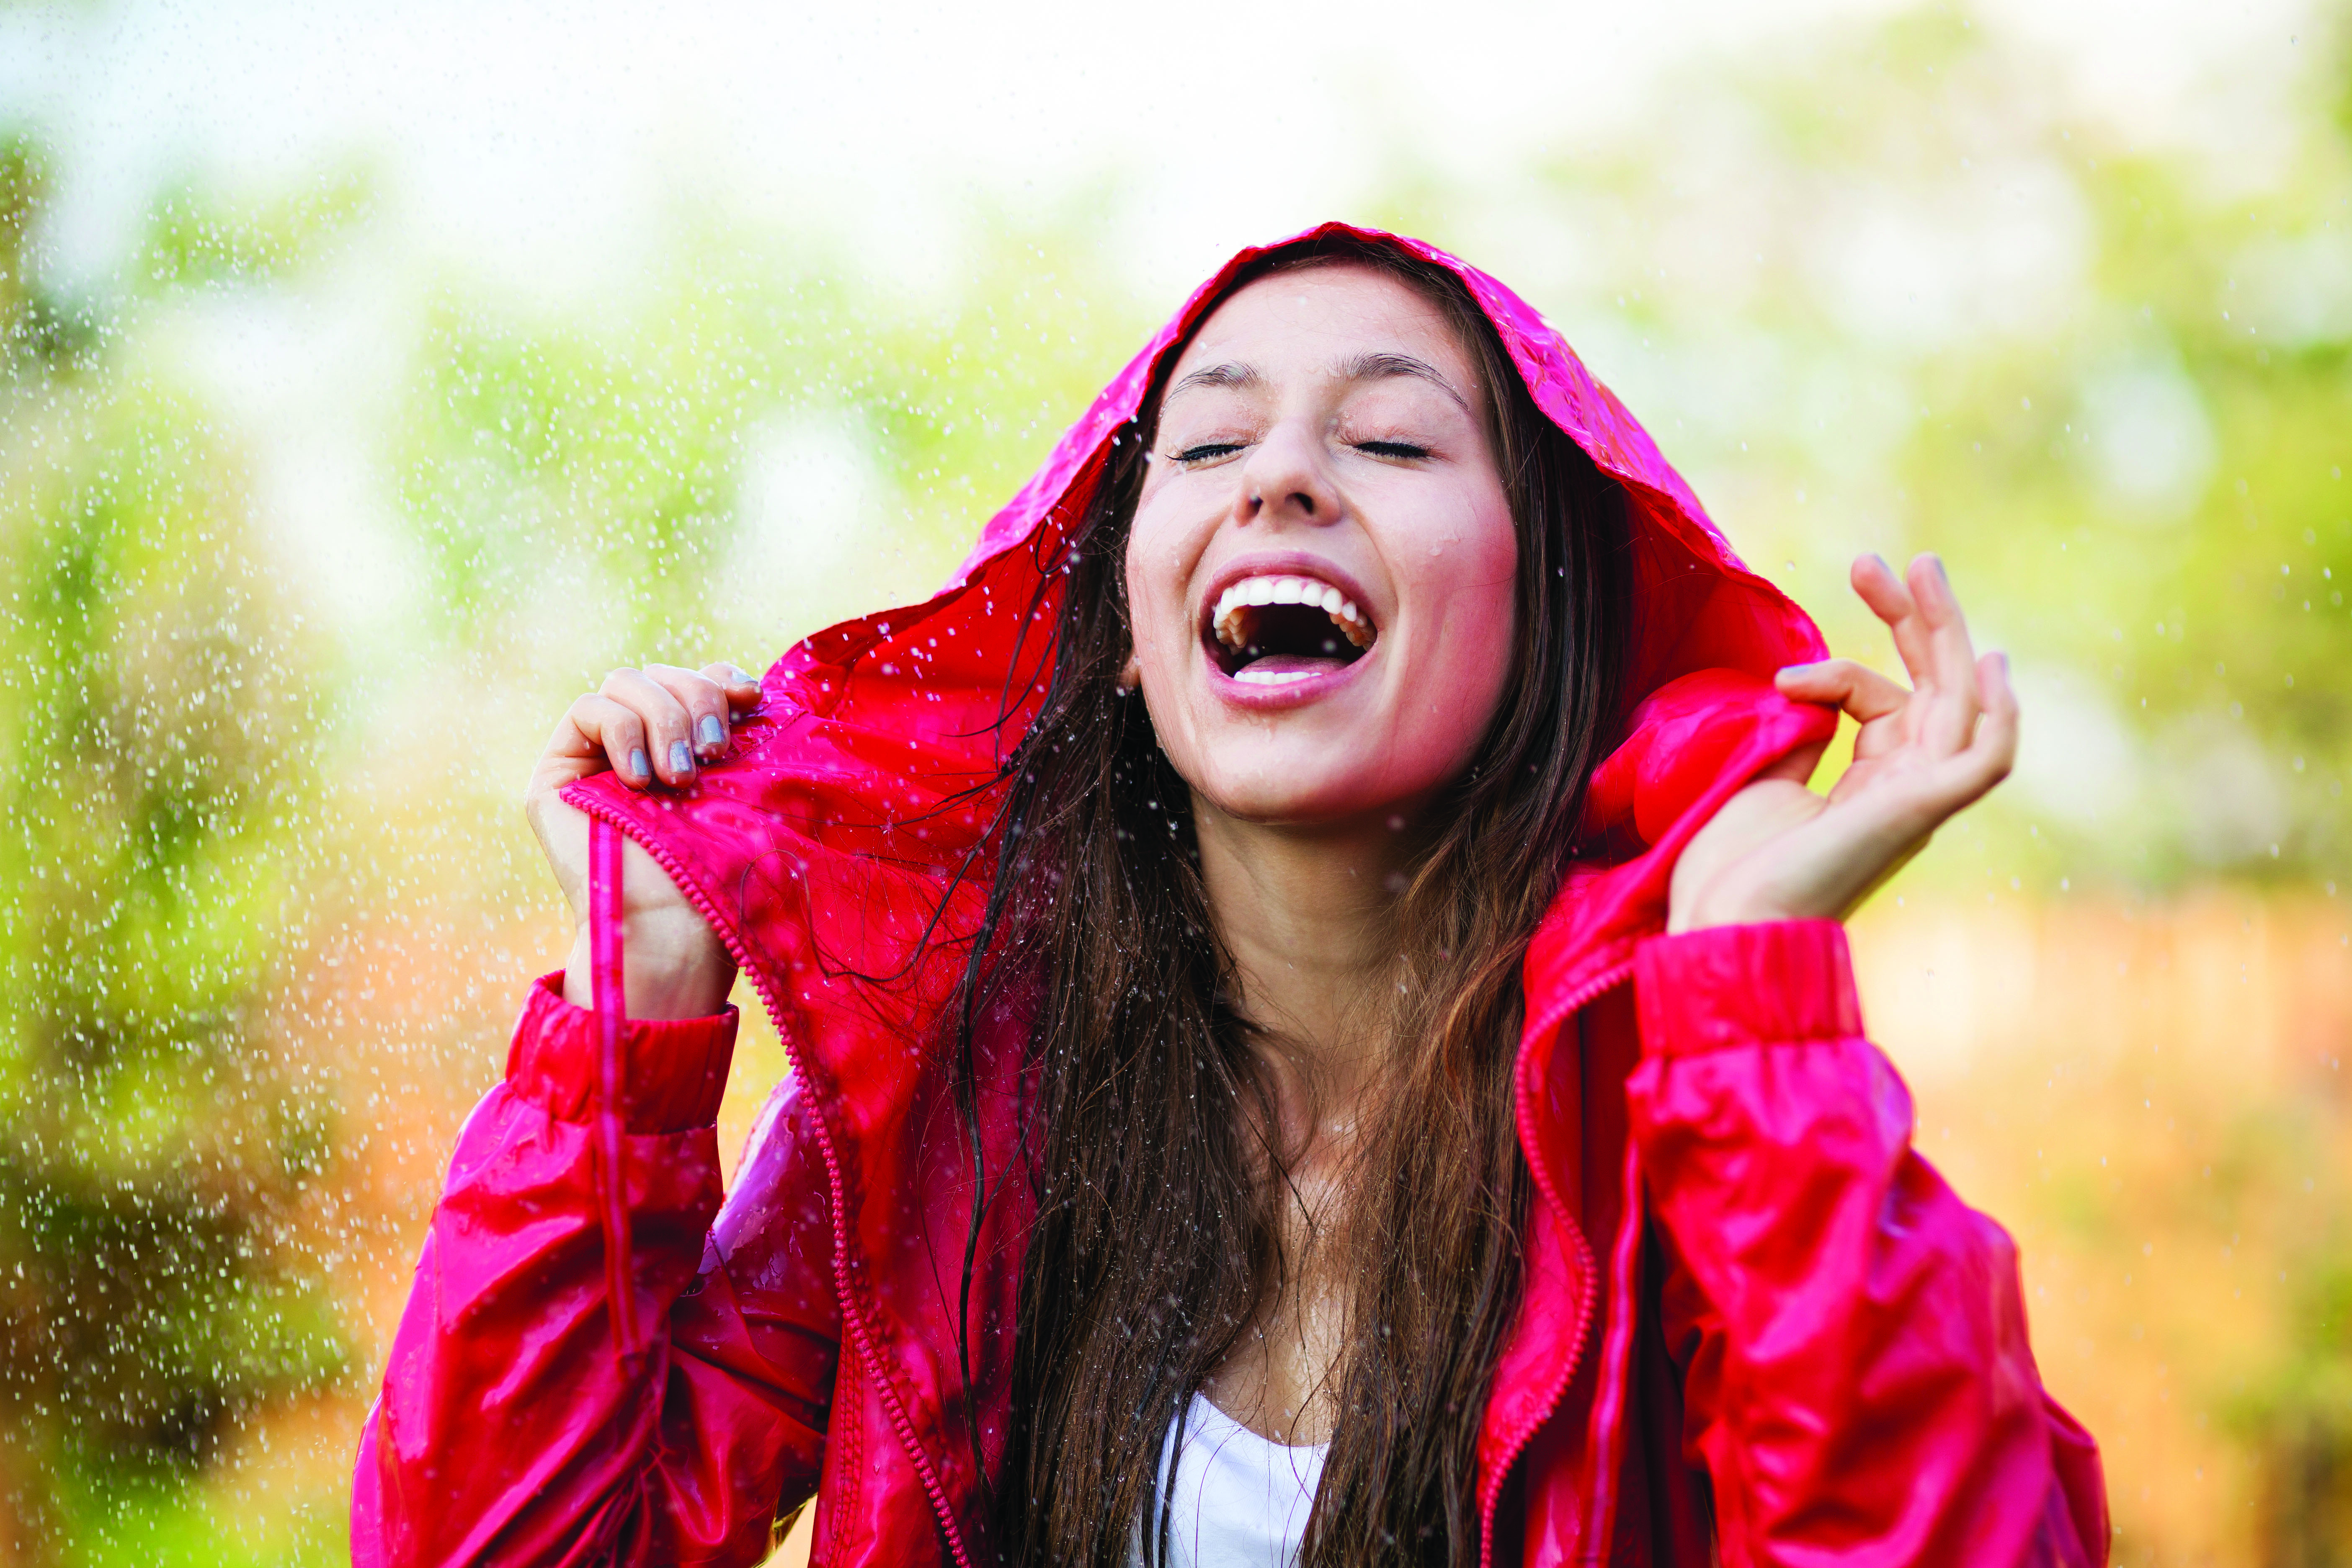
{"type": "Point", "coordinates": [1278, 627]}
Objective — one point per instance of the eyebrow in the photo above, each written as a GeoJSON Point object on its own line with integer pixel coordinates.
{"type": "Point", "coordinates": [1380, 366]}
{"type": "Point", "coordinates": [1228, 374]}
{"type": "Point", "coordinates": [1362, 367]}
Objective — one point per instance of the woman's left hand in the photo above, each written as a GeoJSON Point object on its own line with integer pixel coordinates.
{"type": "Point", "coordinates": [1777, 851]}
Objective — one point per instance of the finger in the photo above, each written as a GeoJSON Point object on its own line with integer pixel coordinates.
{"type": "Point", "coordinates": [1891, 602]}
{"type": "Point", "coordinates": [1880, 738]}
{"type": "Point", "coordinates": [1966, 776]}
{"type": "Point", "coordinates": [1856, 687]}
{"type": "Point", "coordinates": [1994, 749]}
{"type": "Point", "coordinates": [1948, 723]}
{"type": "Point", "coordinates": [597, 733]}
{"type": "Point", "coordinates": [668, 733]}
{"type": "Point", "coordinates": [705, 702]}
{"type": "Point", "coordinates": [741, 686]}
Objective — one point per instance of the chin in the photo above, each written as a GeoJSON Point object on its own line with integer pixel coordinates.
{"type": "Point", "coordinates": [1285, 791]}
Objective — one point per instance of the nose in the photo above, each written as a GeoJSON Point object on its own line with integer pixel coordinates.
{"type": "Point", "coordinates": [1284, 480]}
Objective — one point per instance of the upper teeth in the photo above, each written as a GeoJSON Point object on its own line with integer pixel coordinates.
{"type": "Point", "coordinates": [1253, 591]}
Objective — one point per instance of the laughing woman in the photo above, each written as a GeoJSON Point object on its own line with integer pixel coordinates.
{"type": "Point", "coordinates": [1318, 1023]}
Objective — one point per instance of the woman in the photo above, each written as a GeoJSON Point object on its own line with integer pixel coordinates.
{"type": "Point", "coordinates": [1317, 1019]}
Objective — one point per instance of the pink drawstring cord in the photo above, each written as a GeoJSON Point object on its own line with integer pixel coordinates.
{"type": "Point", "coordinates": [605, 843]}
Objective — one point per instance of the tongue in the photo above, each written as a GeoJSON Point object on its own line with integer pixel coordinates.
{"type": "Point", "coordinates": [1276, 667]}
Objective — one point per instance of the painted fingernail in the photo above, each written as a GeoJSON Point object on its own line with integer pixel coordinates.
{"type": "Point", "coordinates": [638, 766]}
{"type": "Point", "coordinates": [743, 677]}
{"type": "Point", "coordinates": [681, 761]}
{"type": "Point", "coordinates": [712, 733]}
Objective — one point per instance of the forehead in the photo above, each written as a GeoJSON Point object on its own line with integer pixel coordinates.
{"type": "Point", "coordinates": [1310, 320]}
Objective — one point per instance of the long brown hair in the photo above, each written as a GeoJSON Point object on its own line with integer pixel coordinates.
{"type": "Point", "coordinates": [1156, 1234]}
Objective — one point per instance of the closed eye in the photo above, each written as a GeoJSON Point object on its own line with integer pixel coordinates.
{"type": "Point", "coordinates": [1402, 451]}
{"type": "Point", "coordinates": [1207, 450]}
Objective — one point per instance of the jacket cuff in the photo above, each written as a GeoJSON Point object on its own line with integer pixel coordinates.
{"type": "Point", "coordinates": [673, 1070]}
{"type": "Point", "coordinates": [1787, 982]}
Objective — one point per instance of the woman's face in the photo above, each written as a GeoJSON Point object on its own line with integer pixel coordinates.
{"type": "Point", "coordinates": [1322, 560]}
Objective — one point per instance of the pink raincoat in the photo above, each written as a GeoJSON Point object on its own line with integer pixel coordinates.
{"type": "Point", "coordinates": [1754, 1323]}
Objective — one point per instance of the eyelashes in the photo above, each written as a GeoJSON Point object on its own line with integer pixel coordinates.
{"type": "Point", "coordinates": [1394, 451]}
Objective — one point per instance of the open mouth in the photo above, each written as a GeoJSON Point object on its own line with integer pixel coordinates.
{"type": "Point", "coordinates": [1276, 629]}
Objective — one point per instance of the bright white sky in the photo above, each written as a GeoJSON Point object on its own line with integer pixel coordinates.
{"type": "Point", "coordinates": [526, 138]}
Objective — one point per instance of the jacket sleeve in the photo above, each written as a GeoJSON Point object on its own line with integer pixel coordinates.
{"type": "Point", "coordinates": [1857, 1378]}
{"type": "Point", "coordinates": [510, 1427]}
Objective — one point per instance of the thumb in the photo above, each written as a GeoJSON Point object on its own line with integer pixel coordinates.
{"type": "Point", "coordinates": [561, 829]}
{"type": "Point", "coordinates": [1799, 764]}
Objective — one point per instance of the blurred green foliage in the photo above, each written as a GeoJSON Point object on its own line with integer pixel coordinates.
{"type": "Point", "coordinates": [2298, 1423]}
{"type": "Point", "coordinates": [196, 238]}
{"type": "Point", "coordinates": [152, 709]}
{"type": "Point", "coordinates": [605, 452]}
{"type": "Point", "coordinates": [1880, 290]}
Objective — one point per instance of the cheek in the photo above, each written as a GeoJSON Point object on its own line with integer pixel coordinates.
{"type": "Point", "coordinates": [1477, 633]}
{"type": "Point", "coordinates": [1477, 585]}
{"type": "Point", "coordinates": [1160, 557]}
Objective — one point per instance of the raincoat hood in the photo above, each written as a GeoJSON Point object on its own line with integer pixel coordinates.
{"type": "Point", "coordinates": [826, 850]}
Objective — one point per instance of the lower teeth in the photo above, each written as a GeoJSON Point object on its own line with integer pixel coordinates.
{"type": "Point", "coordinates": [1272, 676]}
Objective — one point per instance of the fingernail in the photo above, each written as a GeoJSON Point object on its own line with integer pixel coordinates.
{"type": "Point", "coordinates": [713, 733]}
{"type": "Point", "coordinates": [681, 761]}
{"type": "Point", "coordinates": [743, 677]}
{"type": "Point", "coordinates": [638, 766]}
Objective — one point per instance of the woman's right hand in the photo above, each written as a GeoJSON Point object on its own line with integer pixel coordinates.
{"type": "Point", "coordinates": [654, 727]}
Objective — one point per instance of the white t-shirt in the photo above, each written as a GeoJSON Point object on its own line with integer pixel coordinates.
{"type": "Point", "coordinates": [1236, 1499]}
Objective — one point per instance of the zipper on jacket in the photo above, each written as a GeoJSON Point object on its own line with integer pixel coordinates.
{"type": "Point", "coordinates": [1587, 1300]}
{"type": "Point", "coordinates": [843, 1289]}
